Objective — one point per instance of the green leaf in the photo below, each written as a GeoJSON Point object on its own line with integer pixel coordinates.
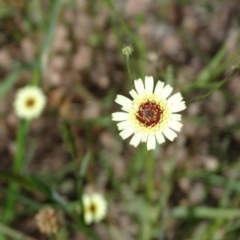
{"type": "Point", "coordinates": [213, 69]}
{"type": "Point", "coordinates": [8, 84]}
{"type": "Point", "coordinates": [205, 212]}
{"type": "Point", "coordinates": [13, 234]}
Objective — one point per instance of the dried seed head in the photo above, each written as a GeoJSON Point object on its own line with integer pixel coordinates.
{"type": "Point", "coordinates": [47, 221]}
{"type": "Point", "coordinates": [127, 50]}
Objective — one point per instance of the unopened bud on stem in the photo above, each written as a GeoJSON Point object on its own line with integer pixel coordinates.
{"type": "Point", "coordinates": [127, 50]}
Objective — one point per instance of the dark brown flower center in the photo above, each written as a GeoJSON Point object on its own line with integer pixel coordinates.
{"type": "Point", "coordinates": [149, 114]}
{"type": "Point", "coordinates": [93, 208]}
{"type": "Point", "coordinates": [30, 102]}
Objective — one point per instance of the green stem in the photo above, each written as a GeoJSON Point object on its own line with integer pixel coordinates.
{"type": "Point", "coordinates": [166, 190]}
{"type": "Point", "coordinates": [68, 139]}
{"type": "Point", "coordinates": [51, 237]}
{"type": "Point", "coordinates": [133, 38]}
{"type": "Point", "coordinates": [150, 166]}
{"type": "Point", "coordinates": [22, 132]}
{"type": "Point", "coordinates": [46, 47]}
{"type": "Point", "coordinates": [129, 70]}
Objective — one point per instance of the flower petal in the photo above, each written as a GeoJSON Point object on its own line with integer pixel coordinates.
{"type": "Point", "coordinates": [123, 125]}
{"type": "Point", "coordinates": [176, 117]}
{"type": "Point", "coordinates": [160, 138]}
{"type": "Point", "coordinates": [159, 88]}
{"type": "Point", "coordinates": [178, 107]}
{"type": "Point", "coordinates": [149, 82]}
{"type": "Point", "coordinates": [127, 132]}
{"type": "Point", "coordinates": [119, 116]}
{"type": "Point", "coordinates": [88, 217]}
{"type": "Point", "coordinates": [122, 100]}
{"type": "Point", "coordinates": [170, 134]}
{"type": "Point", "coordinates": [144, 137]}
{"type": "Point", "coordinates": [126, 108]}
{"type": "Point", "coordinates": [166, 91]}
{"type": "Point", "coordinates": [175, 125]}
{"type": "Point", "coordinates": [100, 207]}
{"type": "Point", "coordinates": [151, 142]}
{"type": "Point", "coordinates": [177, 97]}
{"type": "Point", "coordinates": [139, 86]}
{"type": "Point", "coordinates": [136, 139]}
{"type": "Point", "coordinates": [133, 93]}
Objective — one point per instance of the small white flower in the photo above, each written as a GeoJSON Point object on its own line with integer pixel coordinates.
{"type": "Point", "coordinates": [29, 102]}
{"type": "Point", "coordinates": [95, 207]}
{"type": "Point", "coordinates": [151, 115]}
